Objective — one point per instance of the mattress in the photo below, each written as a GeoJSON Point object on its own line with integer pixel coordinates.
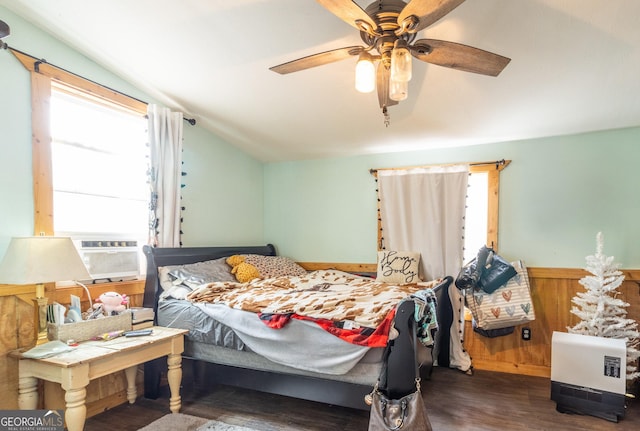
{"type": "Point", "coordinates": [175, 313]}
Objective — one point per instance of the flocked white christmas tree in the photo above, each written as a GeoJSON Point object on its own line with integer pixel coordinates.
{"type": "Point", "coordinates": [602, 313]}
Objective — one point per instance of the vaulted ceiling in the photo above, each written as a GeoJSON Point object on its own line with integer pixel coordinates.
{"type": "Point", "coordinates": [574, 68]}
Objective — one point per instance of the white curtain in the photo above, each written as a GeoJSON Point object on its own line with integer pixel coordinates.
{"type": "Point", "coordinates": [423, 209]}
{"type": "Point", "coordinates": [165, 173]}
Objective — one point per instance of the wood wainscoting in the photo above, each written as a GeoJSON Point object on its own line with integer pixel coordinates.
{"type": "Point", "coordinates": [17, 331]}
{"type": "Point", "coordinates": [552, 290]}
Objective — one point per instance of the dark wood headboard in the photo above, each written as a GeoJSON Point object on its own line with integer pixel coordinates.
{"type": "Point", "coordinates": [165, 256]}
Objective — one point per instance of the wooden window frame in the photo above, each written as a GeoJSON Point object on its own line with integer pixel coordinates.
{"type": "Point", "coordinates": [43, 76]}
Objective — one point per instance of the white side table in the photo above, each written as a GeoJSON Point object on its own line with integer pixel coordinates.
{"type": "Point", "coordinates": [93, 359]}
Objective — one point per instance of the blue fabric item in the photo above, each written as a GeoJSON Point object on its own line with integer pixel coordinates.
{"type": "Point", "coordinates": [425, 315]}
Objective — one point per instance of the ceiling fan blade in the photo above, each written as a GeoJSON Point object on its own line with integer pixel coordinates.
{"type": "Point", "coordinates": [351, 13]}
{"type": "Point", "coordinates": [317, 59]}
{"type": "Point", "coordinates": [427, 12]}
{"type": "Point", "coordinates": [459, 56]}
{"type": "Point", "coordinates": [382, 81]}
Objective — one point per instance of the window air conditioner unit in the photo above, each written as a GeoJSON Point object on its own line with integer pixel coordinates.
{"type": "Point", "coordinates": [588, 375]}
{"type": "Point", "coordinates": [110, 260]}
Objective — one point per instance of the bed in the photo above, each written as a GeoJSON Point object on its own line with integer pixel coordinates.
{"type": "Point", "coordinates": [323, 359]}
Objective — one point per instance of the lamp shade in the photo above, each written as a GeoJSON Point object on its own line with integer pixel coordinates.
{"type": "Point", "coordinates": [41, 259]}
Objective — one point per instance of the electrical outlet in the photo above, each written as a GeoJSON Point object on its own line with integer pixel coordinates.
{"type": "Point", "coordinates": [526, 334]}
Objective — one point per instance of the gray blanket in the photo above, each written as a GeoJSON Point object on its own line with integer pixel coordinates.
{"type": "Point", "coordinates": [299, 344]}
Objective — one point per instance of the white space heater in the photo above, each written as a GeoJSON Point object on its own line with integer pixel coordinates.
{"type": "Point", "coordinates": [588, 375]}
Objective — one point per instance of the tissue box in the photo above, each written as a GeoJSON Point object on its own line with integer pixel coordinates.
{"type": "Point", "coordinates": [87, 329]}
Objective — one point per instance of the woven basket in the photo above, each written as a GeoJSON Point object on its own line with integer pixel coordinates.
{"type": "Point", "coordinates": [87, 329]}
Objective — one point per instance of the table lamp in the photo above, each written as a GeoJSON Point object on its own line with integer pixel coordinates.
{"type": "Point", "coordinates": [38, 260]}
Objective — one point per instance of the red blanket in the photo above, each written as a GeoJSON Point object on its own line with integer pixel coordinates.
{"type": "Point", "coordinates": [362, 336]}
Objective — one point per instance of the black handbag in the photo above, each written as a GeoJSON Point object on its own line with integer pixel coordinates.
{"type": "Point", "coordinates": [495, 272]}
{"type": "Point", "coordinates": [405, 413]}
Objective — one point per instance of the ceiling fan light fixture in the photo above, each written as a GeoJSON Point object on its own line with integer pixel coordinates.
{"type": "Point", "coordinates": [365, 73]}
{"type": "Point", "coordinates": [398, 90]}
{"type": "Point", "coordinates": [389, 29]}
{"type": "Point", "coordinates": [400, 61]}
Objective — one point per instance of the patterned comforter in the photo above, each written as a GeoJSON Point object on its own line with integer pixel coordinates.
{"type": "Point", "coordinates": [328, 295]}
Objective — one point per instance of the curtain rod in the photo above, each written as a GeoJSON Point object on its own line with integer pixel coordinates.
{"type": "Point", "coordinates": [38, 62]}
{"type": "Point", "coordinates": [498, 163]}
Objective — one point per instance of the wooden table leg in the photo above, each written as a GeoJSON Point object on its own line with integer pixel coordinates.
{"type": "Point", "coordinates": [76, 410]}
{"type": "Point", "coordinates": [174, 376]}
{"type": "Point", "coordinates": [74, 381]}
{"type": "Point", "coordinates": [27, 393]}
{"type": "Point", "coordinates": [132, 392]}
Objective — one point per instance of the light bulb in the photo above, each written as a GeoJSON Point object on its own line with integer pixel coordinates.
{"type": "Point", "coordinates": [398, 90]}
{"type": "Point", "coordinates": [400, 61]}
{"type": "Point", "coordinates": [365, 73]}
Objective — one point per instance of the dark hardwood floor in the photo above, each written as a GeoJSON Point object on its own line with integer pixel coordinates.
{"type": "Point", "coordinates": [486, 401]}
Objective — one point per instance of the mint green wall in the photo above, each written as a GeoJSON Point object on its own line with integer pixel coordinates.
{"type": "Point", "coordinates": [223, 194]}
{"type": "Point", "coordinates": [555, 196]}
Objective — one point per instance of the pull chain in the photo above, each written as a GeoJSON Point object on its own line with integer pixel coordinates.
{"type": "Point", "coordinates": [387, 118]}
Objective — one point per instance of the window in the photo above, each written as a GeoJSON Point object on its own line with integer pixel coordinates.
{"type": "Point", "coordinates": [476, 215]}
{"type": "Point", "coordinates": [99, 162]}
{"type": "Point", "coordinates": [72, 154]}
{"type": "Point", "coordinates": [482, 206]}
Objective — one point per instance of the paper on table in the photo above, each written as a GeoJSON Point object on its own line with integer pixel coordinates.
{"type": "Point", "coordinates": [46, 350]}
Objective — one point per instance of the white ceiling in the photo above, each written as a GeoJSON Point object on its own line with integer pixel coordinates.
{"type": "Point", "coordinates": [575, 67]}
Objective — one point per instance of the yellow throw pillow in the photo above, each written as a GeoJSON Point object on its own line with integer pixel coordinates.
{"type": "Point", "coordinates": [245, 272]}
{"type": "Point", "coordinates": [234, 260]}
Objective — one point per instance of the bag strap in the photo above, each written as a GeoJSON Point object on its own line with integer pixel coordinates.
{"type": "Point", "coordinates": [414, 344]}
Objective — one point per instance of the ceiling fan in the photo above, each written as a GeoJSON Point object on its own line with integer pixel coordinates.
{"type": "Point", "coordinates": [388, 29]}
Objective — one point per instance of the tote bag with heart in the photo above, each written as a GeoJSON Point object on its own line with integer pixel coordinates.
{"type": "Point", "coordinates": [509, 305]}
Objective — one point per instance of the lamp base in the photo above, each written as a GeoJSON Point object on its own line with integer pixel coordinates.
{"type": "Point", "coordinates": [40, 320]}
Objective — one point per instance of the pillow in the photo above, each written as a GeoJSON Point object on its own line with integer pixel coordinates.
{"type": "Point", "coordinates": [177, 281]}
{"type": "Point", "coordinates": [275, 266]}
{"type": "Point", "coordinates": [195, 274]}
{"type": "Point", "coordinates": [244, 272]}
{"type": "Point", "coordinates": [171, 287]}
{"type": "Point", "coordinates": [398, 266]}
{"type": "Point", "coordinates": [265, 266]}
